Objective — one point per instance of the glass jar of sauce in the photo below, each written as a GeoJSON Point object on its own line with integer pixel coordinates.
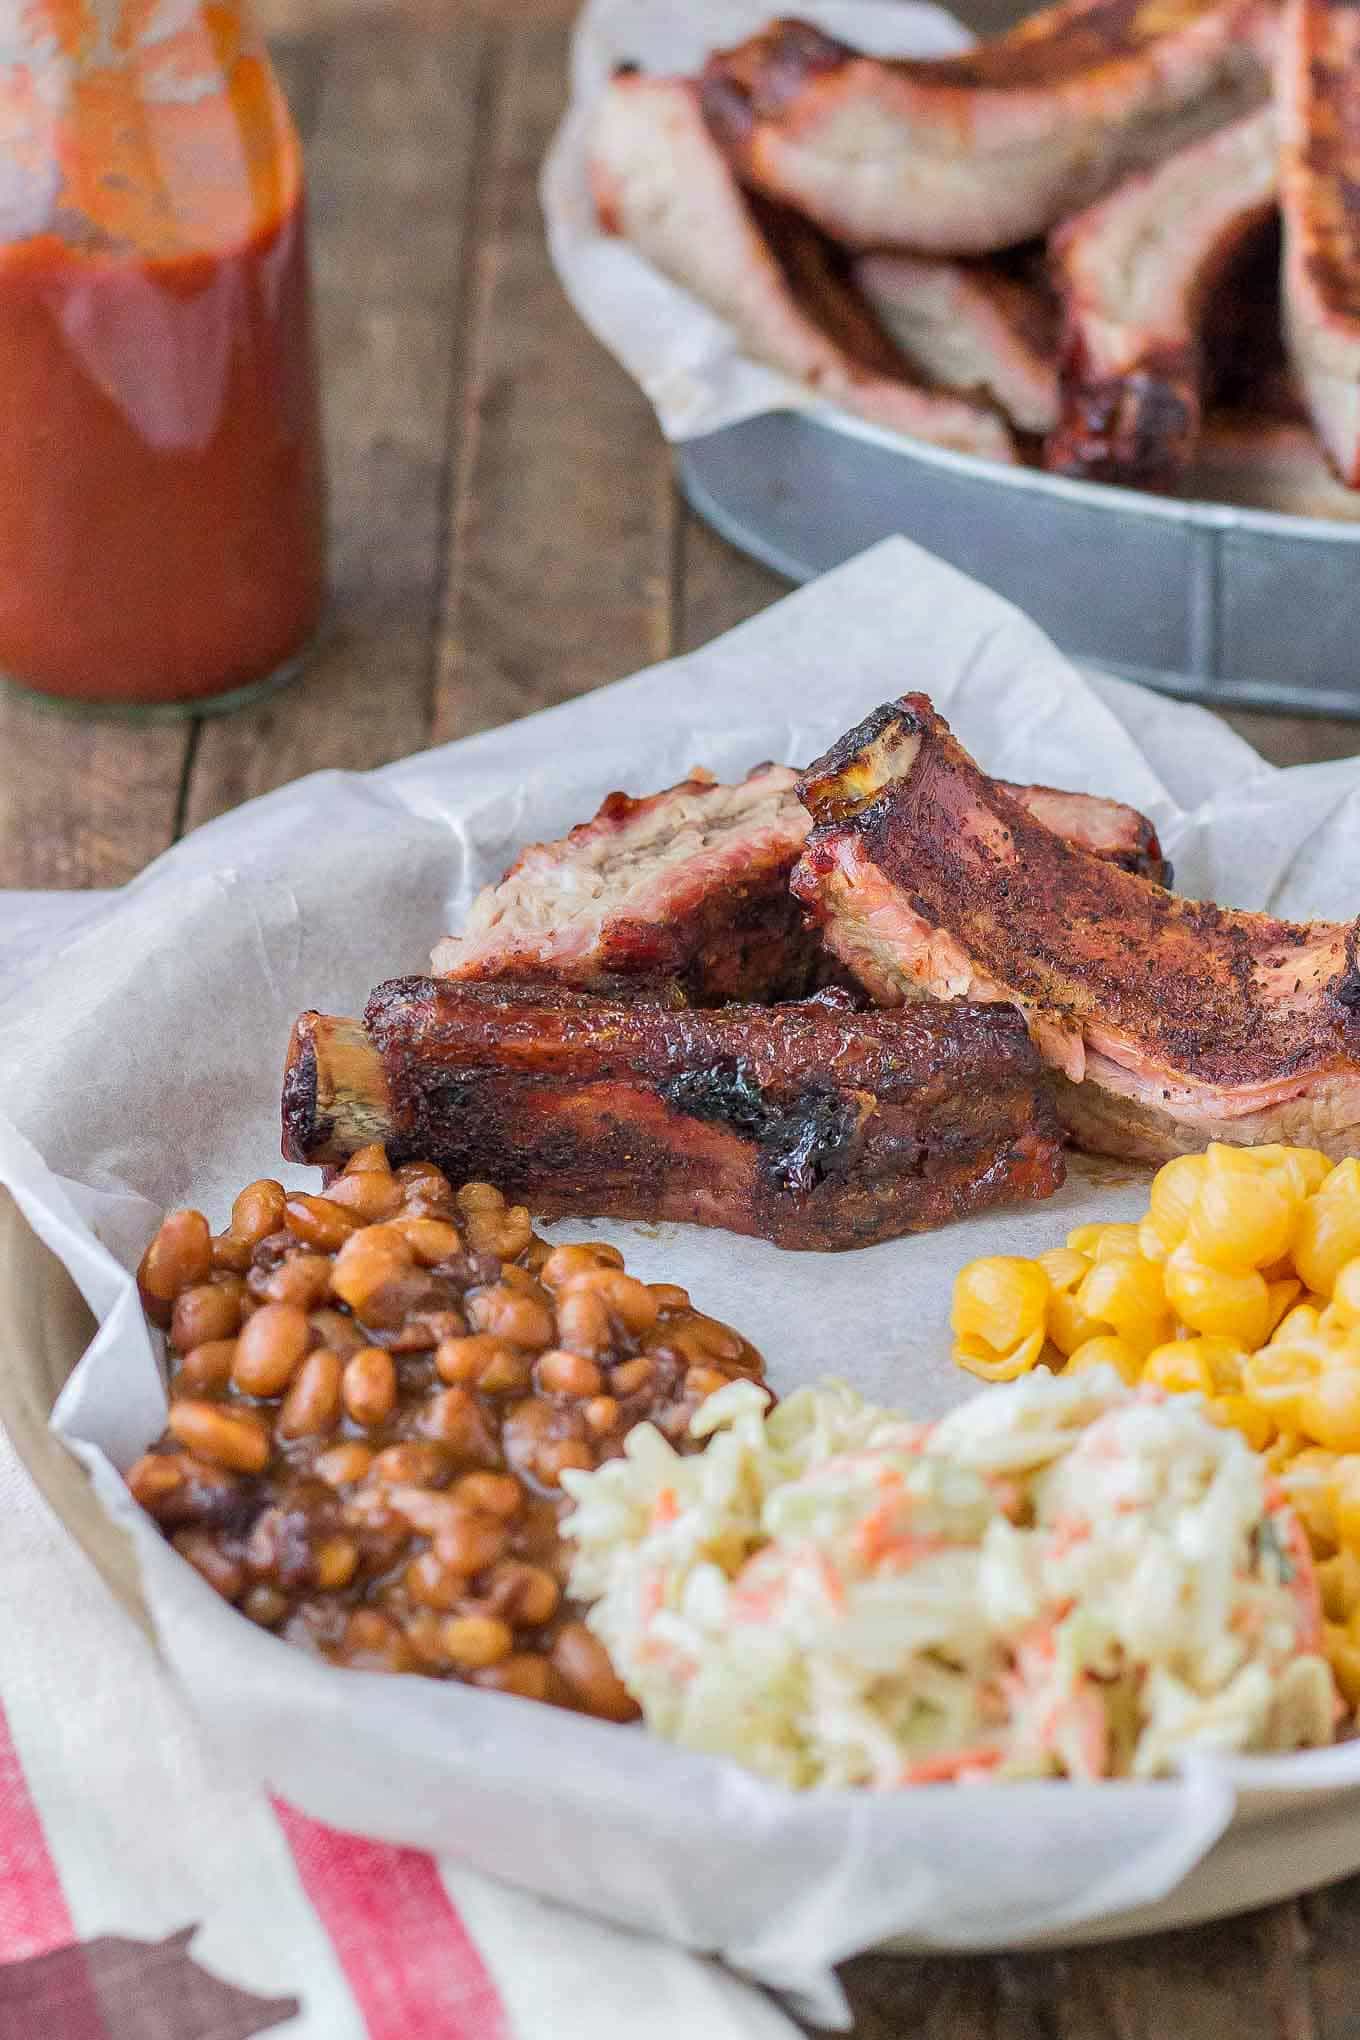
{"type": "Point", "coordinates": [161, 489]}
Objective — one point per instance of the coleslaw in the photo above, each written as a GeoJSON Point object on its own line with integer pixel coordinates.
{"type": "Point", "coordinates": [1062, 1577]}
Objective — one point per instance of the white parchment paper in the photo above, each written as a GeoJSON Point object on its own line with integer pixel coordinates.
{"type": "Point", "coordinates": [140, 1064]}
{"type": "Point", "coordinates": [681, 354]}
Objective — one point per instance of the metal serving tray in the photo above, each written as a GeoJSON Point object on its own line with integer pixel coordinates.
{"type": "Point", "coordinates": [1218, 601]}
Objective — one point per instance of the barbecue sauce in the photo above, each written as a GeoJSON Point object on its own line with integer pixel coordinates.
{"type": "Point", "coordinates": [161, 496]}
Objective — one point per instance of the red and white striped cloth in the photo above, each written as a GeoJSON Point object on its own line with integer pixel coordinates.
{"type": "Point", "coordinates": [146, 1894]}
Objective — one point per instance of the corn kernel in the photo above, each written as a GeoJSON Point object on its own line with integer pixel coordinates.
{"type": "Point", "coordinates": [1306, 1168]}
{"type": "Point", "coordinates": [1178, 1368]}
{"type": "Point", "coordinates": [1276, 1379]}
{"type": "Point", "coordinates": [1104, 1242]}
{"type": "Point", "coordinates": [1235, 1304]}
{"type": "Point", "coordinates": [1283, 1451]}
{"type": "Point", "coordinates": [1156, 1240]}
{"type": "Point", "coordinates": [975, 1356]}
{"type": "Point", "coordinates": [1346, 1293]}
{"type": "Point", "coordinates": [1329, 1410]}
{"type": "Point", "coordinates": [1173, 1195]}
{"type": "Point", "coordinates": [1346, 1511]}
{"type": "Point", "coordinates": [1339, 1585]}
{"type": "Point", "coordinates": [1280, 1295]}
{"type": "Point", "coordinates": [1225, 1360]}
{"type": "Point", "coordinates": [1298, 1327]}
{"type": "Point", "coordinates": [999, 1301]}
{"type": "Point", "coordinates": [1309, 1487]}
{"type": "Point", "coordinates": [1108, 1352]}
{"type": "Point", "coordinates": [1235, 1413]}
{"type": "Point", "coordinates": [1068, 1324]}
{"type": "Point", "coordinates": [1127, 1293]}
{"type": "Point", "coordinates": [1224, 1158]}
{"type": "Point", "coordinates": [1343, 1655]}
{"type": "Point", "coordinates": [1064, 1268]}
{"type": "Point", "coordinates": [1329, 1228]}
{"type": "Point", "coordinates": [1241, 1221]}
{"type": "Point", "coordinates": [1117, 1243]}
{"type": "Point", "coordinates": [1338, 1340]}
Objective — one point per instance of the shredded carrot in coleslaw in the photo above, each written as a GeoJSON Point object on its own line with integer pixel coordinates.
{"type": "Point", "coordinates": [1063, 1577]}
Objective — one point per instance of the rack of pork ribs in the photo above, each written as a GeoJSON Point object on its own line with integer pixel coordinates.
{"type": "Point", "coordinates": [660, 1016]}
{"type": "Point", "coordinates": [1057, 247]}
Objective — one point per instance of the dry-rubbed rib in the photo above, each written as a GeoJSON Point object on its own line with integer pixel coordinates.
{"type": "Point", "coordinates": [964, 155]}
{"type": "Point", "coordinates": [1169, 1022]}
{"type": "Point", "coordinates": [1137, 272]}
{"type": "Point", "coordinates": [810, 1125]}
{"type": "Point", "coordinates": [969, 326]}
{"type": "Point", "coordinates": [1319, 97]}
{"type": "Point", "coordinates": [660, 181]}
{"type": "Point", "coordinates": [688, 891]}
{"type": "Point", "coordinates": [1107, 829]}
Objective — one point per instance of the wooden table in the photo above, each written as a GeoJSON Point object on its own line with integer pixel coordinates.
{"type": "Point", "coordinates": [506, 534]}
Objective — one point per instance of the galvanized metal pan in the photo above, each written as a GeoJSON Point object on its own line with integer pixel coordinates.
{"type": "Point", "coordinates": [1251, 599]}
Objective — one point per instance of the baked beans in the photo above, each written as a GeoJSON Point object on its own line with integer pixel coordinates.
{"type": "Point", "coordinates": [375, 1392]}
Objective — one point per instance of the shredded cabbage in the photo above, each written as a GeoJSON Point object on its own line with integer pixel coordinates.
{"type": "Point", "coordinates": [1063, 1577]}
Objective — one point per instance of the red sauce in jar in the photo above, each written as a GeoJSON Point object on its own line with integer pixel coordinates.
{"type": "Point", "coordinates": [161, 495]}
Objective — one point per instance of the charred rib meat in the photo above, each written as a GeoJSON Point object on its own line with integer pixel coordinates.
{"type": "Point", "coordinates": [1137, 272]}
{"type": "Point", "coordinates": [687, 892]}
{"type": "Point", "coordinates": [810, 1125]}
{"type": "Point", "coordinates": [965, 155]}
{"type": "Point", "coordinates": [1167, 1022]}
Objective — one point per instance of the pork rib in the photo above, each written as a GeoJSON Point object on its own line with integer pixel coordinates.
{"type": "Point", "coordinates": [1106, 829]}
{"type": "Point", "coordinates": [660, 181]}
{"type": "Point", "coordinates": [969, 326]}
{"type": "Point", "coordinates": [687, 888]}
{"type": "Point", "coordinates": [1319, 99]}
{"type": "Point", "coordinates": [687, 891]}
{"type": "Point", "coordinates": [964, 155]}
{"type": "Point", "coordinates": [810, 1125]}
{"type": "Point", "coordinates": [1168, 1022]}
{"type": "Point", "coordinates": [1136, 273]}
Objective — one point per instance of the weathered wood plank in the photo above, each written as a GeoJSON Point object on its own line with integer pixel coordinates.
{"type": "Point", "coordinates": [84, 802]}
{"type": "Point", "coordinates": [1248, 1976]}
{"type": "Point", "coordinates": [933, 1998]}
{"type": "Point", "coordinates": [392, 168]}
{"type": "Point", "coordinates": [1331, 1927]}
{"type": "Point", "coordinates": [559, 569]}
{"type": "Point", "coordinates": [718, 587]}
{"type": "Point", "coordinates": [1240, 1974]}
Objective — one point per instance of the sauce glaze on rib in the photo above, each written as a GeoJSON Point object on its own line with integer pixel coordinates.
{"type": "Point", "coordinates": [811, 1125]}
